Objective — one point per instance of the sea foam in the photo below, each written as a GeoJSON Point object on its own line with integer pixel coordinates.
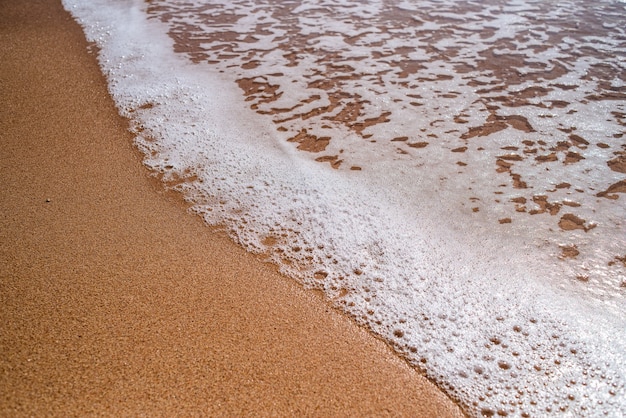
{"type": "Point", "coordinates": [486, 309]}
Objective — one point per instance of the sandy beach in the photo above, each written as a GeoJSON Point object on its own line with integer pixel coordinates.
{"type": "Point", "coordinates": [114, 301]}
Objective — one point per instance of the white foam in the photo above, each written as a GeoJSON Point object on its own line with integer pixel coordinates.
{"type": "Point", "coordinates": [481, 307]}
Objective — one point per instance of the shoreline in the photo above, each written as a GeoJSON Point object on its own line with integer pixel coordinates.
{"type": "Point", "coordinates": [115, 301]}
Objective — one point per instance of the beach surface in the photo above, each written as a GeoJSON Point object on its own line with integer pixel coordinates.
{"type": "Point", "coordinates": [114, 301]}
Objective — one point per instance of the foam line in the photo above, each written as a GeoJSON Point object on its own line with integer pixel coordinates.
{"type": "Point", "coordinates": [380, 216]}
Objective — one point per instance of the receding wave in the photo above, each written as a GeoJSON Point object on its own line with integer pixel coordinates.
{"type": "Point", "coordinates": [451, 174]}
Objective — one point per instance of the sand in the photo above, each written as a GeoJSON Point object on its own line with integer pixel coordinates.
{"type": "Point", "coordinates": [115, 301]}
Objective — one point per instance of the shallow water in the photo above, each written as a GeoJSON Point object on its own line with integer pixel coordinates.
{"type": "Point", "coordinates": [452, 174]}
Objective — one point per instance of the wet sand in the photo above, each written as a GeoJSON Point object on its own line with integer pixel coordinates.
{"type": "Point", "coordinates": [114, 301]}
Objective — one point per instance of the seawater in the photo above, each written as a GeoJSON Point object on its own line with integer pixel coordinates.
{"type": "Point", "coordinates": [451, 174]}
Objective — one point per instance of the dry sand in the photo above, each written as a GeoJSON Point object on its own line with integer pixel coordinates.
{"type": "Point", "coordinates": [114, 301]}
